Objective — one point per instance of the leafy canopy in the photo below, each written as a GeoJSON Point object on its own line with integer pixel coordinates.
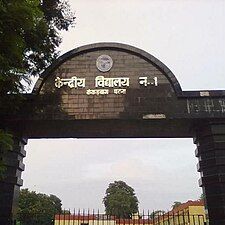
{"type": "Point", "coordinates": [157, 213]}
{"type": "Point", "coordinates": [176, 204]}
{"type": "Point", "coordinates": [36, 208]}
{"type": "Point", "coordinates": [120, 200]}
{"type": "Point", "coordinates": [202, 196]}
{"type": "Point", "coordinates": [29, 38]}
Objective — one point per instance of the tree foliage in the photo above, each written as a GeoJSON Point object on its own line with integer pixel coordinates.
{"type": "Point", "coordinates": [36, 208]}
{"type": "Point", "coordinates": [202, 196]}
{"type": "Point", "coordinates": [176, 204]}
{"type": "Point", "coordinates": [120, 200]}
{"type": "Point", "coordinates": [29, 37]}
{"type": "Point", "coordinates": [157, 213]}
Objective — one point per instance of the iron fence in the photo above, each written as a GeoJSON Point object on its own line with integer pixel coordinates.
{"type": "Point", "coordinates": [82, 217]}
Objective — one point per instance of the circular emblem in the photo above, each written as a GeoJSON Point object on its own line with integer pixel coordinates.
{"type": "Point", "coordinates": [104, 63]}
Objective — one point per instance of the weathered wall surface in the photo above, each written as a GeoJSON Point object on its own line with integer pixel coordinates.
{"type": "Point", "coordinates": [136, 96]}
{"type": "Point", "coordinates": [76, 103]}
{"type": "Point", "coordinates": [159, 98]}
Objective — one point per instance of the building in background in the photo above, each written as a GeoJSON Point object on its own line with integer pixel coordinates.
{"type": "Point", "coordinates": [189, 213]}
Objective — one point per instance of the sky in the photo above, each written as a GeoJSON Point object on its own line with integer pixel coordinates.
{"type": "Point", "coordinates": [188, 36]}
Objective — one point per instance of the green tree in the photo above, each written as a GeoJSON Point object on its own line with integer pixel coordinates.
{"type": "Point", "coordinates": [202, 196]}
{"type": "Point", "coordinates": [176, 204]}
{"type": "Point", "coordinates": [155, 214]}
{"type": "Point", "coordinates": [29, 38]}
{"type": "Point", "coordinates": [66, 212]}
{"type": "Point", "coordinates": [36, 208]}
{"type": "Point", "coordinates": [56, 202]}
{"type": "Point", "coordinates": [120, 200]}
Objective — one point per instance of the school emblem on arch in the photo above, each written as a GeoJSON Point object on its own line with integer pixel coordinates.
{"type": "Point", "coordinates": [104, 63]}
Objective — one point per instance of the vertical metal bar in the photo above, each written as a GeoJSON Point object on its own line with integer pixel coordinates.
{"type": "Point", "coordinates": [153, 215]}
{"type": "Point", "coordinates": [143, 217]}
{"type": "Point", "coordinates": [194, 219]}
{"type": "Point", "coordinates": [88, 216]}
{"type": "Point", "coordinates": [98, 218]}
{"type": "Point", "coordinates": [78, 217]}
{"type": "Point", "coordinates": [178, 218]}
{"type": "Point", "coordinates": [163, 218]}
{"type": "Point", "coordinates": [158, 218]}
{"type": "Point", "coordinates": [69, 217]}
{"type": "Point", "coordinates": [118, 219]}
{"type": "Point", "coordinates": [73, 215]}
{"type": "Point", "coordinates": [200, 219]}
{"type": "Point", "coordinates": [184, 218]}
{"type": "Point", "coordinates": [129, 220]}
{"type": "Point", "coordinates": [173, 219]}
{"type": "Point", "coordinates": [188, 217]}
{"type": "Point", "coordinates": [93, 217]}
{"type": "Point", "coordinates": [64, 217]}
{"type": "Point", "coordinates": [168, 218]}
{"type": "Point", "coordinates": [203, 219]}
{"type": "Point", "coordinates": [148, 218]}
{"type": "Point", "coordinates": [83, 216]}
{"type": "Point", "coordinates": [138, 218]}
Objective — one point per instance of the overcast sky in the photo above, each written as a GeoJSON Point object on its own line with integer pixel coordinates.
{"type": "Point", "coordinates": [187, 36]}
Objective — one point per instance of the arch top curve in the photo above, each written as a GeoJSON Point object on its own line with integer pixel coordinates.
{"type": "Point", "coordinates": [109, 46]}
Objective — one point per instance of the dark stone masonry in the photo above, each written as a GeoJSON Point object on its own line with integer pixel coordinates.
{"type": "Point", "coordinates": [115, 90]}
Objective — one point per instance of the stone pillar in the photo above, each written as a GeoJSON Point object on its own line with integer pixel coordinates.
{"type": "Point", "coordinates": [11, 182]}
{"type": "Point", "coordinates": [210, 141]}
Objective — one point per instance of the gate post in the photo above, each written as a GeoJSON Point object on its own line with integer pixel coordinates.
{"type": "Point", "coordinates": [11, 182]}
{"type": "Point", "coordinates": [210, 141]}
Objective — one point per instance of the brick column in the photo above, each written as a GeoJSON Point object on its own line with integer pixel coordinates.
{"type": "Point", "coordinates": [10, 184]}
{"type": "Point", "coordinates": [210, 141]}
